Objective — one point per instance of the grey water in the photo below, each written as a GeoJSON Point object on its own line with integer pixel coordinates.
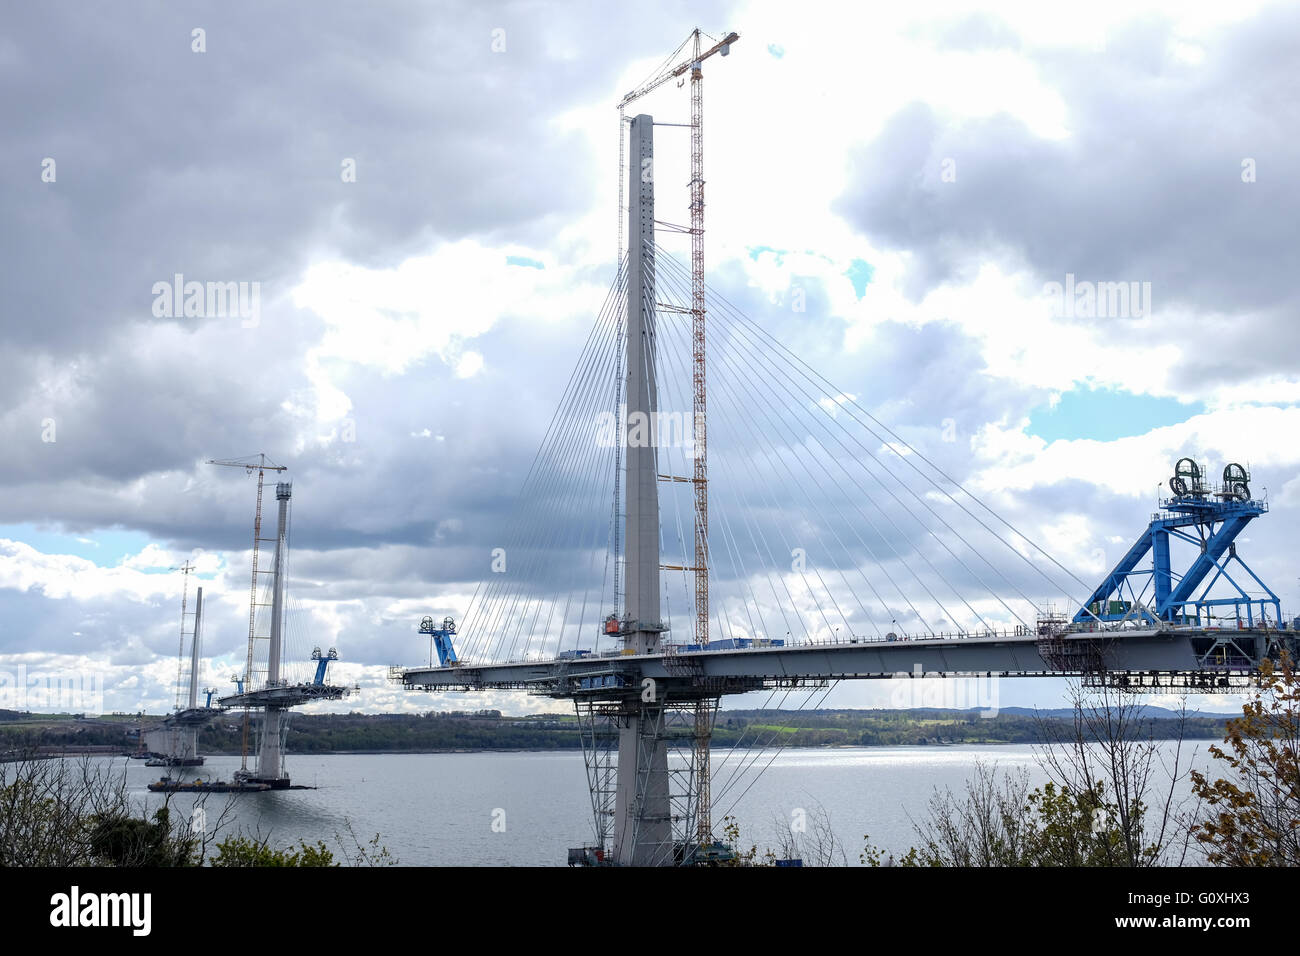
{"type": "Point", "coordinates": [527, 808]}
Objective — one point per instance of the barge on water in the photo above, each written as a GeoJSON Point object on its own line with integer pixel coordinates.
{"type": "Point", "coordinates": [165, 761]}
{"type": "Point", "coordinates": [168, 785]}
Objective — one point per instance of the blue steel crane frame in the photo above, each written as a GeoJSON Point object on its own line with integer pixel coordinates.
{"type": "Point", "coordinates": [1170, 595]}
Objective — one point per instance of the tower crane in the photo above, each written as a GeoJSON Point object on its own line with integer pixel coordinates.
{"type": "Point", "coordinates": [677, 70]}
{"type": "Point", "coordinates": [261, 465]}
{"type": "Point", "coordinates": [185, 568]}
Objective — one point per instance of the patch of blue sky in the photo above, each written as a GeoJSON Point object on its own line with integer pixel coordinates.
{"type": "Point", "coordinates": [105, 547]}
{"type": "Point", "coordinates": [860, 273]}
{"type": "Point", "coordinates": [756, 251]}
{"type": "Point", "coordinates": [1106, 414]}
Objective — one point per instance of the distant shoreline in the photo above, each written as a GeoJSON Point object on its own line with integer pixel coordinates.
{"type": "Point", "coordinates": [578, 750]}
{"type": "Point", "coordinates": [491, 731]}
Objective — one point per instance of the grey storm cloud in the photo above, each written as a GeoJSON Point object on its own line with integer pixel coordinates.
{"type": "Point", "coordinates": [1147, 186]}
{"type": "Point", "coordinates": [226, 164]}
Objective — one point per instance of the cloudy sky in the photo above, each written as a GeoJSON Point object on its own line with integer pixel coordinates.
{"type": "Point", "coordinates": [423, 197]}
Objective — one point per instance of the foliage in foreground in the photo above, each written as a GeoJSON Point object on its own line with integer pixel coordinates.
{"type": "Point", "coordinates": [243, 851]}
{"type": "Point", "coordinates": [63, 813]}
{"type": "Point", "coordinates": [1000, 822]}
{"type": "Point", "coordinates": [1097, 810]}
{"type": "Point", "coordinates": [1252, 815]}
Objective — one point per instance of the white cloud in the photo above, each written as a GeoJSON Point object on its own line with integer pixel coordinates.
{"type": "Point", "coordinates": [1136, 466]}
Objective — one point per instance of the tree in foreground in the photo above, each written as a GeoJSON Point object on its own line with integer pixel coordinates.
{"type": "Point", "coordinates": [79, 813]}
{"type": "Point", "coordinates": [1116, 778]}
{"type": "Point", "coordinates": [1251, 816]}
{"type": "Point", "coordinates": [240, 850]}
{"type": "Point", "coordinates": [1109, 799]}
{"type": "Point", "coordinates": [63, 813]}
{"type": "Point", "coordinates": [999, 822]}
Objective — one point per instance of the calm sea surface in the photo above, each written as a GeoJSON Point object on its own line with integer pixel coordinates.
{"type": "Point", "coordinates": [525, 809]}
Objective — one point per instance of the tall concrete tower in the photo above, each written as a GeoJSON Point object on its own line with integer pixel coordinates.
{"type": "Point", "coordinates": [190, 733]}
{"type": "Point", "coordinates": [194, 650]}
{"type": "Point", "coordinates": [642, 811]}
{"type": "Point", "coordinates": [271, 754]}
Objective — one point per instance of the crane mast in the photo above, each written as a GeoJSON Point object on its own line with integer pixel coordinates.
{"type": "Point", "coordinates": [261, 465]}
{"type": "Point", "coordinates": [185, 570]}
{"type": "Point", "coordinates": [704, 710]}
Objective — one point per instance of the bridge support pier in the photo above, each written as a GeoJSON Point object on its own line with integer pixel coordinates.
{"type": "Point", "coordinates": [269, 759]}
{"type": "Point", "coordinates": [643, 826]}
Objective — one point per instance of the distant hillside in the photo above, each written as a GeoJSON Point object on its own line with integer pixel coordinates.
{"type": "Point", "coordinates": [490, 730]}
{"type": "Point", "coordinates": [1146, 711]}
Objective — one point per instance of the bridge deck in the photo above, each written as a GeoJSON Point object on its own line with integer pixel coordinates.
{"type": "Point", "coordinates": [291, 695]}
{"type": "Point", "coordinates": [1168, 650]}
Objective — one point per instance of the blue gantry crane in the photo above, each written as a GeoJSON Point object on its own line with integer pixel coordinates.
{"type": "Point", "coordinates": [1210, 519]}
{"type": "Point", "coordinates": [441, 638]}
{"type": "Point", "coordinates": [322, 662]}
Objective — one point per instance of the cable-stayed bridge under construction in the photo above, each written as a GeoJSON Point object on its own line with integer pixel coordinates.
{"type": "Point", "coordinates": [709, 516]}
